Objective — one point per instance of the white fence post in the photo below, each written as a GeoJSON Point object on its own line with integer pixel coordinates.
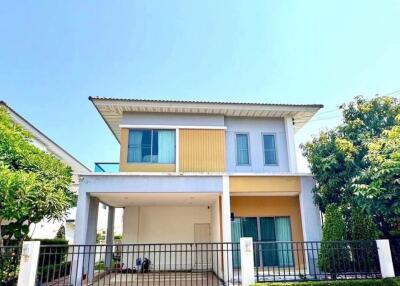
{"type": "Point", "coordinates": [28, 264]}
{"type": "Point", "coordinates": [385, 258]}
{"type": "Point", "coordinates": [247, 260]}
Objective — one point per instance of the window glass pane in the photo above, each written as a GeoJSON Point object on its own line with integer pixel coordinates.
{"type": "Point", "coordinates": [269, 150]}
{"type": "Point", "coordinates": [270, 157]}
{"type": "Point", "coordinates": [283, 233]}
{"type": "Point", "coordinates": [166, 146]}
{"type": "Point", "coordinates": [269, 142]}
{"type": "Point", "coordinates": [151, 146]}
{"type": "Point", "coordinates": [139, 145]}
{"type": "Point", "coordinates": [250, 229]}
{"type": "Point", "coordinates": [146, 146]}
{"type": "Point", "coordinates": [242, 149]}
{"type": "Point", "coordinates": [269, 251]}
{"type": "Point", "coordinates": [236, 235]}
{"type": "Point", "coordinates": [154, 157]}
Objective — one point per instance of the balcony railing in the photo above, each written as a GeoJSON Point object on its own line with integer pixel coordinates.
{"type": "Point", "coordinates": [106, 167]}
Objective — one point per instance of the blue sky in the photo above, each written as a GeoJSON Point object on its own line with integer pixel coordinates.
{"type": "Point", "coordinates": [55, 54]}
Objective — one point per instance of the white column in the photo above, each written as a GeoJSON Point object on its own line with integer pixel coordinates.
{"type": "Point", "coordinates": [91, 238]}
{"type": "Point", "coordinates": [290, 144]}
{"type": "Point", "coordinates": [110, 235]}
{"type": "Point", "coordinates": [385, 258]}
{"type": "Point", "coordinates": [28, 264]}
{"type": "Point", "coordinates": [82, 214]}
{"type": "Point", "coordinates": [311, 223]}
{"type": "Point", "coordinates": [247, 261]}
{"type": "Point", "coordinates": [226, 210]}
{"type": "Point", "coordinates": [310, 213]}
{"type": "Point", "coordinates": [85, 231]}
{"type": "Point", "coordinates": [226, 228]}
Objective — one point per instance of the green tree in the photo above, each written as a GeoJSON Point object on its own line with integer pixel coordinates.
{"type": "Point", "coordinates": [334, 255]}
{"type": "Point", "coordinates": [34, 185]}
{"type": "Point", "coordinates": [377, 187]}
{"type": "Point", "coordinates": [338, 157]}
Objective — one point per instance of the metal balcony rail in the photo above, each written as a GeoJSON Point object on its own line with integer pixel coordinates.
{"type": "Point", "coordinates": [300, 261]}
{"type": "Point", "coordinates": [106, 167]}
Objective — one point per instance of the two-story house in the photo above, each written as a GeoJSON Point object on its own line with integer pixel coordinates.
{"type": "Point", "coordinates": [202, 172]}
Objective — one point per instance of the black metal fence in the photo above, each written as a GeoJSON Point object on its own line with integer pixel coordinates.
{"type": "Point", "coordinates": [139, 264]}
{"type": "Point", "coordinates": [288, 261]}
{"type": "Point", "coordinates": [9, 264]}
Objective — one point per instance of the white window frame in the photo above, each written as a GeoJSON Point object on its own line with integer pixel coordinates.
{"type": "Point", "coordinates": [263, 150]}
{"type": "Point", "coordinates": [248, 148]}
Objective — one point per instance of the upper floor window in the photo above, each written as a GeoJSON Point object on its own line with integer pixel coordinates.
{"type": "Point", "coordinates": [269, 149]}
{"type": "Point", "coordinates": [242, 149]}
{"type": "Point", "coordinates": [151, 146]}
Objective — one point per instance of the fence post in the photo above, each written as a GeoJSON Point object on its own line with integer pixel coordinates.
{"type": "Point", "coordinates": [247, 260]}
{"type": "Point", "coordinates": [28, 264]}
{"type": "Point", "coordinates": [385, 258]}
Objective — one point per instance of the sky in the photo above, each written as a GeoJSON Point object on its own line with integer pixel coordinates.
{"type": "Point", "coordinates": [55, 54]}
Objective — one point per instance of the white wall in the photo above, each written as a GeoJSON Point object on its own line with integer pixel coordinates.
{"type": "Point", "coordinates": [255, 128]}
{"type": "Point", "coordinates": [310, 214]}
{"type": "Point", "coordinates": [137, 118]}
{"type": "Point", "coordinates": [162, 224]}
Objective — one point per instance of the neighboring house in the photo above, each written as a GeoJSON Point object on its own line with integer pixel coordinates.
{"type": "Point", "coordinates": [202, 172]}
{"type": "Point", "coordinates": [48, 229]}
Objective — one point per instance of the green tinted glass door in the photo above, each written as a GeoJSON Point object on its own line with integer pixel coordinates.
{"type": "Point", "coordinates": [236, 230]}
{"type": "Point", "coordinates": [269, 251]}
{"type": "Point", "coordinates": [250, 229]}
{"type": "Point", "coordinates": [284, 234]}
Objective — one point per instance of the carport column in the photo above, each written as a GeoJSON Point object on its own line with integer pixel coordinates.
{"type": "Point", "coordinates": [110, 236]}
{"type": "Point", "coordinates": [226, 227]}
{"type": "Point", "coordinates": [85, 231]}
{"type": "Point", "coordinates": [90, 257]}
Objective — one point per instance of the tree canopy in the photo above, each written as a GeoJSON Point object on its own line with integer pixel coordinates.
{"type": "Point", "coordinates": [343, 159]}
{"type": "Point", "coordinates": [34, 185]}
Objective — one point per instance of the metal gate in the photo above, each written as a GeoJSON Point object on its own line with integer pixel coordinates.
{"type": "Point", "coordinates": [139, 264]}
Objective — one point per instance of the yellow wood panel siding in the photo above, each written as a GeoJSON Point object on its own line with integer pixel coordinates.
{"type": "Point", "coordinates": [259, 206]}
{"type": "Point", "coordinates": [124, 166]}
{"type": "Point", "coordinates": [255, 184]}
{"type": "Point", "coordinates": [201, 150]}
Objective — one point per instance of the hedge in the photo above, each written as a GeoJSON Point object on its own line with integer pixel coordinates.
{"type": "Point", "coordinates": [371, 282]}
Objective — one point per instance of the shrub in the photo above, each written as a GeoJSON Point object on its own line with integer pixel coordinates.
{"type": "Point", "coordinates": [54, 271]}
{"type": "Point", "coordinates": [364, 231]}
{"type": "Point", "coordinates": [61, 232]}
{"type": "Point", "coordinates": [9, 266]}
{"type": "Point", "coordinates": [371, 282]}
{"type": "Point", "coordinates": [54, 252]}
{"type": "Point", "coordinates": [334, 254]}
{"type": "Point", "coordinates": [361, 226]}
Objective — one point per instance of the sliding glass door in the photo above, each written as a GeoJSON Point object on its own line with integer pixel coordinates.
{"type": "Point", "coordinates": [268, 229]}
{"type": "Point", "coordinates": [268, 250]}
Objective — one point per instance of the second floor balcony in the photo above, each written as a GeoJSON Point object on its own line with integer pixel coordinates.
{"type": "Point", "coordinates": [106, 167]}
